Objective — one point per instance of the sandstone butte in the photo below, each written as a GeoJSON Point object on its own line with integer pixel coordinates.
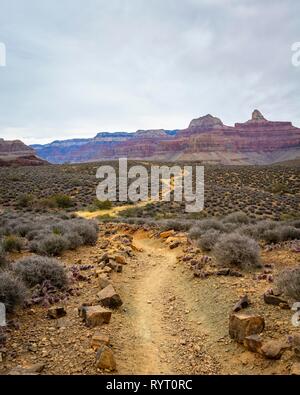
{"type": "Point", "coordinates": [207, 139]}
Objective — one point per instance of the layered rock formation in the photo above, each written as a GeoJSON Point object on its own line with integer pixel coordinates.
{"type": "Point", "coordinates": [207, 139]}
{"type": "Point", "coordinates": [16, 153]}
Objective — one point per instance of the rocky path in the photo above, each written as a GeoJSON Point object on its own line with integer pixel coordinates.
{"type": "Point", "coordinates": [155, 335]}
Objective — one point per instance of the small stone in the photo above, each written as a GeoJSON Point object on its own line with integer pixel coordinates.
{"type": "Point", "coordinates": [273, 349]}
{"type": "Point", "coordinates": [120, 259]}
{"type": "Point", "coordinates": [242, 325]}
{"type": "Point", "coordinates": [25, 371]}
{"type": "Point", "coordinates": [56, 312]}
{"type": "Point", "coordinates": [269, 298]}
{"type": "Point", "coordinates": [99, 339]}
{"type": "Point", "coordinates": [103, 281]}
{"type": "Point", "coordinates": [253, 343]}
{"type": "Point", "coordinates": [95, 315]}
{"type": "Point", "coordinates": [165, 235]}
{"type": "Point", "coordinates": [108, 297]}
{"type": "Point", "coordinates": [105, 359]}
{"type": "Point", "coordinates": [241, 304]}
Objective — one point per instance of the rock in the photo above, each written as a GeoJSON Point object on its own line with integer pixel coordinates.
{"type": "Point", "coordinates": [99, 340]}
{"type": "Point", "coordinates": [95, 315]}
{"type": "Point", "coordinates": [269, 298]}
{"type": "Point", "coordinates": [253, 343]}
{"type": "Point", "coordinates": [56, 312]}
{"type": "Point", "coordinates": [168, 233]}
{"type": "Point", "coordinates": [120, 259]}
{"type": "Point", "coordinates": [241, 304]}
{"type": "Point", "coordinates": [223, 272]}
{"type": "Point", "coordinates": [108, 297]}
{"type": "Point", "coordinates": [295, 369]}
{"type": "Point", "coordinates": [105, 359]}
{"type": "Point", "coordinates": [174, 245]}
{"type": "Point", "coordinates": [103, 281]}
{"type": "Point", "coordinates": [273, 349]}
{"type": "Point", "coordinates": [243, 324]}
{"type": "Point", "coordinates": [25, 371]}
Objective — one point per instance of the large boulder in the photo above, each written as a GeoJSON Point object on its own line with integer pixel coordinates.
{"type": "Point", "coordinates": [108, 297]}
{"type": "Point", "coordinates": [244, 324]}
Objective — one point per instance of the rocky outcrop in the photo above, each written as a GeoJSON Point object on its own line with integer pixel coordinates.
{"type": "Point", "coordinates": [16, 153]}
{"type": "Point", "coordinates": [207, 139]}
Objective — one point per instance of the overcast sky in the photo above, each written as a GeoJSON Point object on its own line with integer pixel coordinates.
{"type": "Point", "coordinates": [79, 67]}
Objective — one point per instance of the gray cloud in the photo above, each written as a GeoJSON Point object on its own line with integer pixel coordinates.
{"type": "Point", "coordinates": [76, 67]}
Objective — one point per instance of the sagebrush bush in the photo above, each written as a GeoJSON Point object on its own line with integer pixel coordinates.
{"type": "Point", "coordinates": [12, 243]}
{"type": "Point", "coordinates": [12, 290]}
{"type": "Point", "coordinates": [102, 204]}
{"type": "Point", "coordinates": [204, 225]}
{"type": "Point", "coordinates": [63, 201]}
{"type": "Point", "coordinates": [288, 281]}
{"type": "Point", "coordinates": [289, 233]}
{"type": "Point", "coordinates": [208, 240]}
{"type": "Point", "coordinates": [35, 270]}
{"type": "Point", "coordinates": [87, 231]}
{"type": "Point", "coordinates": [52, 245]}
{"type": "Point", "coordinates": [237, 250]}
{"type": "Point", "coordinates": [238, 217]}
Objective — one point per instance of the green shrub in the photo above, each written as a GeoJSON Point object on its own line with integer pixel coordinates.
{"type": "Point", "coordinates": [63, 201]}
{"type": "Point", "coordinates": [12, 291]}
{"type": "Point", "coordinates": [36, 269]}
{"type": "Point", "coordinates": [102, 205]}
{"type": "Point", "coordinates": [24, 200]}
{"type": "Point", "coordinates": [236, 250]}
{"type": "Point", "coordinates": [12, 243]}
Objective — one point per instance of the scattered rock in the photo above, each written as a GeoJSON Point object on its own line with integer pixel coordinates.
{"type": "Point", "coordinates": [270, 298]}
{"type": "Point", "coordinates": [273, 349]}
{"type": "Point", "coordinates": [168, 233]}
{"type": "Point", "coordinates": [241, 304]}
{"type": "Point", "coordinates": [108, 297]}
{"type": "Point", "coordinates": [95, 315]}
{"type": "Point", "coordinates": [105, 359]}
{"type": "Point", "coordinates": [295, 369]}
{"type": "Point", "coordinates": [56, 312]}
{"type": "Point", "coordinates": [174, 245]}
{"type": "Point", "coordinates": [25, 371]}
{"type": "Point", "coordinates": [253, 343]}
{"type": "Point", "coordinates": [103, 281]}
{"type": "Point", "coordinates": [99, 340]}
{"type": "Point", "coordinates": [120, 259]}
{"type": "Point", "coordinates": [242, 325]}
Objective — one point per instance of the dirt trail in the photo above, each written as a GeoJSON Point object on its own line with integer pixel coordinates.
{"type": "Point", "coordinates": [154, 333]}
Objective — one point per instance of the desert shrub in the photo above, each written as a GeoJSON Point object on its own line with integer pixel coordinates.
{"type": "Point", "coordinates": [24, 200]}
{"type": "Point", "coordinates": [74, 240]}
{"type": "Point", "coordinates": [236, 250]}
{"type": "Point", "coordinates": [63, 201]}
{"type": "Point", "coordinates": [12, 290]}
{"type": "Point", "coordinates": [288, 281]}
{"type": "Point", "coordinates": [35, 270]}
{"type": "Point", "coordinates": [272, 236]}
{"type": "Point", "coordinates": [23, 229]}
{"type": "Point", "coordinates": [102, 205]}
{"type": "Point", "coordinates": [208, 240]}
{"type": "Point", "coordinates": [175, 224]}
{"type": "Point", "coordinates": [52, 245]}
{"type": "Point", "coordinates": [204, 225]}
{"type": "Point", "coordinates": [289, 233]}
{"type": "Point", "coordinates": [296, 223]}
{"type": "Point", "coordinates": [87, 231]}
{"type": "Point", "coordinates": [12, 243]}
{"type": "Point", "coordinates": [238, 217]}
